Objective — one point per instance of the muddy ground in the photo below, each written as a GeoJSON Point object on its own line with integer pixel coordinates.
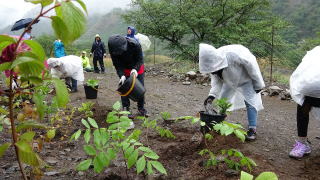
{"type": "Point", "coordinates": [276, 134]}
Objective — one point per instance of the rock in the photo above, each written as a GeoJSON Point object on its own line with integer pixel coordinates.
{"type": "Point", "coordinates": [274, 90]}
{"type": "Point", "coordinates": [187, 79]}
{"type": "Point", "coordinates": [12, 169]}
{"type": "Point", "coordinates": [205, 84]}
{"type": "Point", "coordinates": [51, 160]}
{"type": "Point", "coordinates": [191, 75]}
{"type": "Point", "coordinates": [197, 137]}
{"type": "Point", "coordinates": [68, 150]}
{"type": "Point", "coordinates": [162, 72]}
{"type": "Point", "coordinates": [80, 173]}
{"type": "Point", "coordinates": [231, 173]}
{"type": "Point", "coordinates": [52, 173]}
{"type": "Point", "coordinates": [186, 83]}
{"type": "Point", "coordinates": [285, 95]}
{"type": "Point", "coordinates": [62, 153]}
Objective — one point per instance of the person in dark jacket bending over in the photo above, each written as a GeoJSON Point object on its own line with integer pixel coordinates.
{"type": "Point", "coordinates": [126, 55]}
{"type": "Point", "coordinates": [98, 50]}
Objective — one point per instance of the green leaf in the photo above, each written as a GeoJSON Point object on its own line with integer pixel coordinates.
{"type": "Point", "coordinates": [76, 135]}
{"type": "Point", "coordinates": [5, 66]}
{"type": "Point", "coordinates": [93, 122]}
{"type": "Point", "coordinates": [30, 124]}
{"type": "Point", "coordinates": [60, 28]}
{"type": "Point", "coordinates": [267, 176]}
{"type": "Point", "coordinates": [51, 133]}
{"type": "Point", "coordinates": [26, 154]}
{"type": "Point", "coordinates": [97, 137]}
{"type": "Point", "coordinates": [84, 165]}
{"type": "Point", "coordinates": [3, 148]}
{"type": "Point", "coordinates": [246, 176]}
{"type": "Point", "coordinates": [87, 136]}
{"type": "Point", "coordinates": [112, 118]}
{"type": "Point", "coordinates": [28, 136]}
{"type": "Point", "coordinates": [117, 106]}
{"type": "Point", "coordinates": [240, 135]}
{"type": "Point", "coordinates": [36, 49]}
{"type": "Point", "coordinates": [98, 163]}
{"type": "Point", "coordinates": [82, 5]}
{"type": "Point", "coordinates": [149, 168]}
{"type": "Point", "coordinates": [61, 92]}
{"type": "Point", "coordinates": [38, 99]}
{"type": "Point", "coordinates": [159, 167]}
{"type": "Point", "coordinates": [74, 18]}
{"type": "Point", "coordinates": [217, 127]}
{"type": "Point", "coordinates": [128, 152]}
{"type": "Point", "coordinates": [6, 38]}
{"type": "Point", "coordinates": [145, 149]}
{"type": "Point", "coordinates": [152, 155]}
{"type": "Point", "coordinates": [133, 158]}
{"type": "Point", "coordinates": [141, 164]}
{"type": "Point", "coordinates": [90, 150]}
{"type": "Point", "coordinates": [85, 123]}
{"type": "Point", "coordinates": [22, 60]}
{"type": "Point", "coordinates": [104, 136]}
{"type": "Point", "coordinates": [124, 112]}
{"type": "Point", "coordinates": [42, 2]}
{"type": "Point", "coordinates": [111, 154]}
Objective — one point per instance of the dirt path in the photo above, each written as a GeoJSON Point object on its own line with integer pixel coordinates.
{"type": "Point", "coordinates": [276, 134]}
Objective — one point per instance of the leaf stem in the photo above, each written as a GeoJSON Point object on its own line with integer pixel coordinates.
{"type": "Point", "coordinates": [13, 127]}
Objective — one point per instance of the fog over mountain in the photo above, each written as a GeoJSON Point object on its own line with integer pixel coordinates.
{"type": "Point", "coordinates": [13, 10]}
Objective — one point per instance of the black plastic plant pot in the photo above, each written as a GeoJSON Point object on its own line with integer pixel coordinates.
{"type": "Point", "coordinates": [132, 88]}
{"type": "Point", "coordinates": [91, 93]}
{"type": "Point", "coordinates": [210, 120]}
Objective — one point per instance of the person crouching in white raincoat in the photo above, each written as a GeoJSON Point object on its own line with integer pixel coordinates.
{"type": "Point", "coordinates": [67, 67]}
{"type": "Point", "coordinates": [235, 75]}
{"type": "Point", "coordinates": [305, 91]}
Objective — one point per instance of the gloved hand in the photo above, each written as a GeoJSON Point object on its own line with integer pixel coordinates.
{"type": "Point", "coordinates": [122, 79]}
{"type": "Point", "coordinates": [90, 54]}
{"type": "Point", "coordinates": [104, 55]}
{"type": "Point", "coordinates": [208, 100]}
{"type": "Point", "coordinates": [133, 71]}
{"type": "Point", "coordinates": [257, 91]}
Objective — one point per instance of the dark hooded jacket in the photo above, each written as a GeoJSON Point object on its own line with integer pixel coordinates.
{"type": "Point", "coordinates": [98, 49]}
{"type": "Point", "coordinates": [126, 53]}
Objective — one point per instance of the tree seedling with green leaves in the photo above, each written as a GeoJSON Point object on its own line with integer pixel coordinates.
{"type": "Point", "coordinates": [232, 157]}
{"type": "Point", "coordinates": [262, 176]}
{"type": "Point", "coordinates": [25, 58]}
{"type": "Point", "coordinates": [86, 108]}
{"type": "Point", "coordinates": [223, 106]}
{"type": "Point", "coordinates": [92, 83]}
{"type": "Point", "coordinates": [111, 142]}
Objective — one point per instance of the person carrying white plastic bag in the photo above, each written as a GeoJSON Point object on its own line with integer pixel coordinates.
{"type": "Point", "coordinates": [305, 91]}
{"type": "Point", "coordinates": [235, 75]}
{"type": "Point", "coordinates": [67, 67]}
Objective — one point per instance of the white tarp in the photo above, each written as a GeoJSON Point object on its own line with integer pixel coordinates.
{"type": "Point", "coordinates": [241, 74]}
{"type": "Point", "coordinates": [67, 66]}
{"type": "Point", "coordinates": [144, 41]}
{"type": "Point", "coordinates": [305, 80]}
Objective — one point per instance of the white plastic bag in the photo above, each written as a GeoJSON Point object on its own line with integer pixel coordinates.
{"type": "Point", "coordinates": [144, 41]}
{"type": "Point", "coordinates": [69, 66]}
{"type": "Point", "coordinates": [305, 80]}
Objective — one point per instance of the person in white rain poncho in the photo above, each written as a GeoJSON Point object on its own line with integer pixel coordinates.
{"type": "Point", "coordinates": [67, 67]}
{"type": "Point", "coordinates": [235, 75]}
{"type": "Point", "coordinates": [305, 91]}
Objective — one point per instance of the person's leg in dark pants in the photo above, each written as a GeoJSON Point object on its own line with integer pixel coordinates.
{"type": "Point", "coordinates": [125, 103]}
{"type": "Point", "coordinates": [95, 65]}
{"type": "Point", "coordinates": [141, 101]}
{"type": "Point", "coordinates": [302, 147]}
{"type": "Point", "coordinates": [74, 85]}
{"type": "Point", "coordinates": [101, 65]}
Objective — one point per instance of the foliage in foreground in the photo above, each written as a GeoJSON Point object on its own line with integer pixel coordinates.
{"type": "Point", "coordinates": [104, 145]}
{"type": "Point", "coordinates": [262, 176]}
{"type": "Point", "coordinates": [25, 59]}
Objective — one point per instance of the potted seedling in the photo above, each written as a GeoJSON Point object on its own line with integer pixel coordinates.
{"type": "Point", "coordinates": [212, 117]}
{"type": "Point", "coordinates": [91, 88]}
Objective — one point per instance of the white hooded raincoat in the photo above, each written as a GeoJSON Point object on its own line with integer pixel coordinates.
{"type": "Point", "coordinates": [241, 74]}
